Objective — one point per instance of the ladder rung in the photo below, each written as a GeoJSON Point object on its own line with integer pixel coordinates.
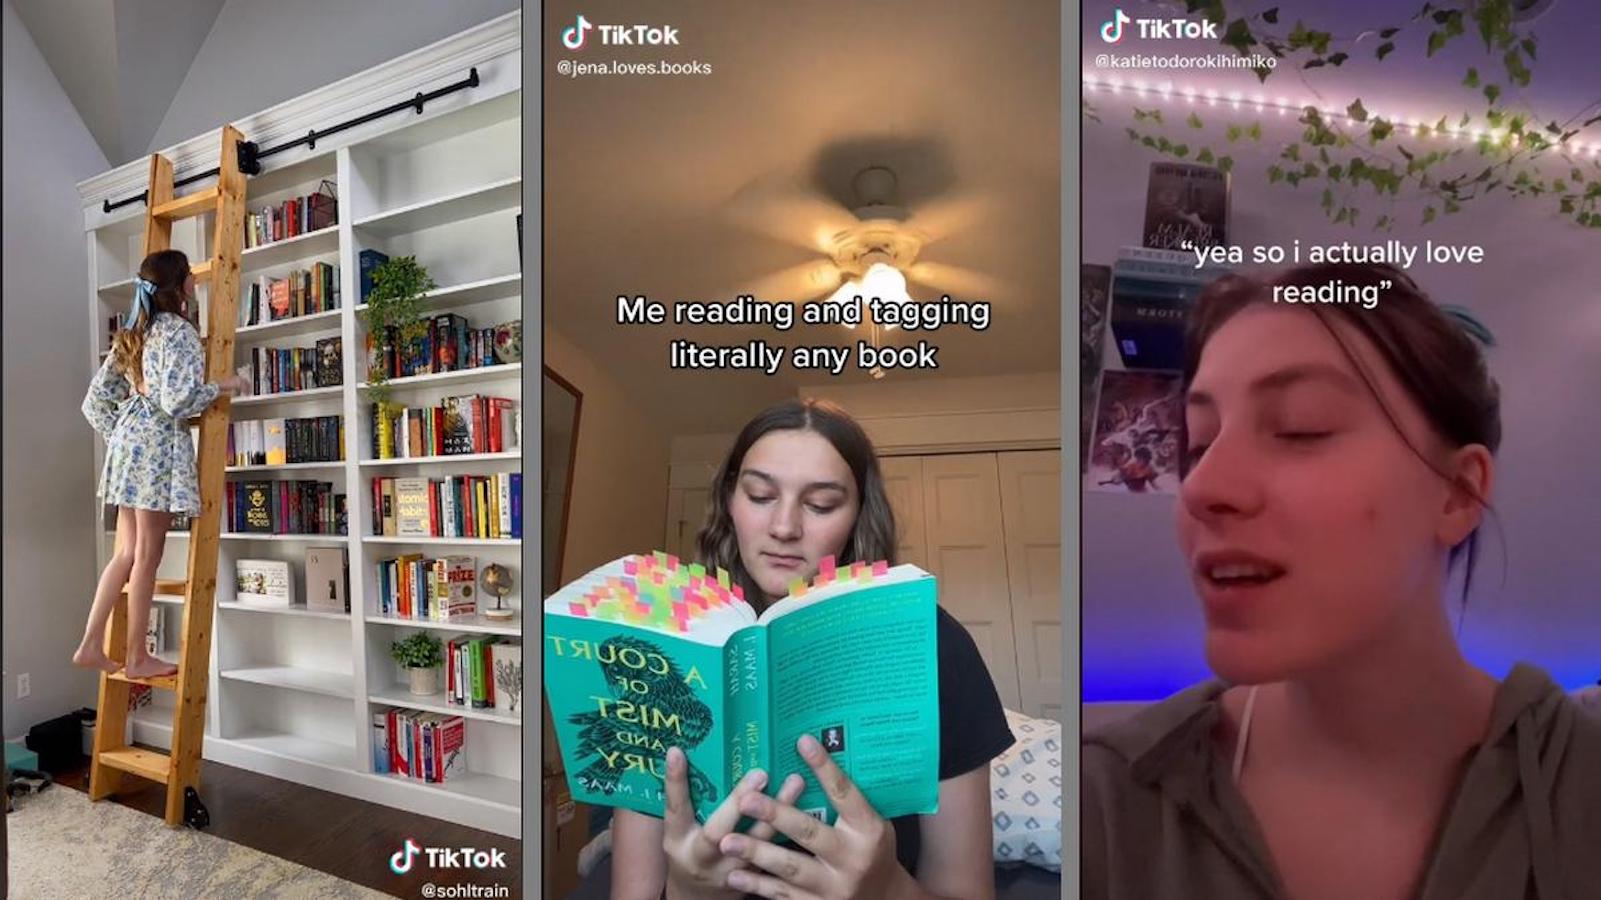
{"type": "Point", "coordinates": [188, 205]}
{"type": "Point", "coordinates": [201, 269]}
{"type": "Point", "coordinates": [168, 587]}
{"type": "Point", "coordinates": [138, 761]}
{"type": "Point", "coordinates": [163, 682]}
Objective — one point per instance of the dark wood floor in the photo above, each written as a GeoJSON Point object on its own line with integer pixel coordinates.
{"type": "Point", "coordinates": [343, 836]}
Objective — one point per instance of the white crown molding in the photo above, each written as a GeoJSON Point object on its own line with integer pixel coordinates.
{"type": "Point", "coordinates": [421, 70]}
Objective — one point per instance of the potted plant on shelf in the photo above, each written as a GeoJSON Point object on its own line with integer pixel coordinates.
{"type": "Point", "coordinates": [421, 656]}
{"type": "Point", "coordinates": [394, 306]}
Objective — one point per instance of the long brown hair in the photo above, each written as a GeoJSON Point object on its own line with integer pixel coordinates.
{"type": "Point", "coordinates": [167, 270]}
{"type": "Point", "coordinates": [872, 536]}
{"type": "Point", "coordinates": [1441, 367]}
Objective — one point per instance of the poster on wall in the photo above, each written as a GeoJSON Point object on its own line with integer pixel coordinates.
{"type": "Point", "coordinates": [1095, 291]}
{"type": "Point", "coordinates": [1186, 205]}
{"type": "Point", "coordinates": [1138, 426]}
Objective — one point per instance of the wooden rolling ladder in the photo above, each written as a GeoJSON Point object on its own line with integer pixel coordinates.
{"type": "Point", "coordinates": [179, 769]}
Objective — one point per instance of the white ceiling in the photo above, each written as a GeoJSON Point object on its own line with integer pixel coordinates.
{"type": "Point", "coordinates": [645, 177]}
{"type": "Point", "coordinates": [121, 62]}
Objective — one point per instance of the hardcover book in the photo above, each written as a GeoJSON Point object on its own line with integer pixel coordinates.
{"type": "Point", "coordinates": [647, 653]}
{"type": "Point", "coordinates": [327, 579]}
{"type": "Point", "coordinates": [1186, 205]}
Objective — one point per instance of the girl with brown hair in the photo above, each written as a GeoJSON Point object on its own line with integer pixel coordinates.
{"type": "Point", "coordinates": [140, 401]}
{"type": "Point", "coordinates": [802, 483]}
{"type": "Point", "coordinates": [1339, 462]}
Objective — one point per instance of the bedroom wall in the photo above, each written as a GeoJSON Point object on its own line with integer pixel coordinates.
{"type": "Point", "coordinates": [1539, 290]}
{"type": "Point", "coordinates": [48, 520]}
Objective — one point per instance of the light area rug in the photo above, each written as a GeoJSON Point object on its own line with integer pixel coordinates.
{"type": "Point", "coordinates": [64, 847]}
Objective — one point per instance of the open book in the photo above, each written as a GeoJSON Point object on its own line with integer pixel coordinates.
{"type": "Point", "coordinates": [646, 653]}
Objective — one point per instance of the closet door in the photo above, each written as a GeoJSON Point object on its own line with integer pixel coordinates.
{"type": "Point", "coordinates": [967, 552]}
{"type": "Point", "coordinates": [1031, 484]}
{"type": "Point", "coordinates": [903, 482]}
{"type": "Point", "coordinates": [686, 513]}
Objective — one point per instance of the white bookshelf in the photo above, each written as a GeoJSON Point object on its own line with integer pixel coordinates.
{"type": "Point", "coordinates": [293, 690]}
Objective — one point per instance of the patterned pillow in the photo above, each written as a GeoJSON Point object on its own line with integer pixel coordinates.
{"type": "Point", "coordinates": [1026, 794]}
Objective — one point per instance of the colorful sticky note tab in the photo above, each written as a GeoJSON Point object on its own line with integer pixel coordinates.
{"type": "Point", "coordinates": [881, 568]}
{"type": "Point", "coordinates": [578, 609]}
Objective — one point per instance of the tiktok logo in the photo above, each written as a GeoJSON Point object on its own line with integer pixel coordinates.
{"type": "Point", "coordinates": [399, 865]}
{"type": "Point", "coordinates": [1112, 30]}
{"type": "Point", "coordinates": [573, 37]}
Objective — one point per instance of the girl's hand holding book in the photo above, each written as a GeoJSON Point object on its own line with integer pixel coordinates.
{"type": "Point", "coordinates": [696, 868]}
{"type": "Point", "coordinates": [853, 860]}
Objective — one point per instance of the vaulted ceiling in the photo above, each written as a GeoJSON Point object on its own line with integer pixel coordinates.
{"type": "Point", "coordinates": [121, 62]}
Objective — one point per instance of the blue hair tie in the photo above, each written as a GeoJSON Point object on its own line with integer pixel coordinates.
{"type": "Point", "coordinates": [143, 291]}
{"type": "Point", "coordinates": [1469, 323]}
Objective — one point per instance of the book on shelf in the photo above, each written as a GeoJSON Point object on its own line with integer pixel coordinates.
{"type": "Point", "coordinates": [368, 261]}
{"type": "Point", "coordinates": [283, 370]}
{"type": "Point", "coordinates": [264, 582]}
{"type": "Point", "coordinates": [424, 746]}
{"type": "Point", "coordinates": [460, 506]}
{"type": "Point", "coordinates": [156, 631]}
{"type": "Point", "coordinates": [411, 586]}
{"type": "Point", "coordinates": [252, 442]}
{"type": "Point", "coordinates": [327, 579]}
{"type": "Point", "coordinates": [646, 652]}
{"type": "Point", "coordinates": [470, 679]}
{"type": "Point", "coordinates": [442, 343]}
{"type": "Point", "coordinates": [380, 743]}
{"type": "Point", "coordinates": [284, 507]}
{"type": "Point", "coordinates": [302, 292]}
{"type": "Point", "coordinates": [292, 217]}
{"type": "Point", "coordinates": [459, 425]}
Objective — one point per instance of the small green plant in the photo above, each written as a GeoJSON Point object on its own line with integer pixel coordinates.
{"type": "Point", "coordinates": [420, 651]}
{"type": "Point", "coordinates": [395, 301]}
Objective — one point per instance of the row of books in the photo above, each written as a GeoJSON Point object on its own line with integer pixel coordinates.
{"type": "Point", "coordinates": [484, 672]}
{"type": "Point", "coordinates": [276, 442]}
{"type": "Point", "coordinates": [467, 424]}
{"type": "Point", "coordinates": [443, 343]}
{"type": "Point", "coordinates": [434, 590]}
{"type": "Point", "coordinates": [293, 217]}
{"type": "Point", "coordinates": [466, 506]}
{"type": "Point", "coordinates": [302, 292]}
{"type": "Point", "coordinates": [285, 507]}
{"type": "Point", "coordinates": [423, 746]}
{"type": "Point", "coordinates": [283, 370]}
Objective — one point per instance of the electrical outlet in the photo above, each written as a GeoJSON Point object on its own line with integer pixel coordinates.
{"type": "Point", "coordinates": [22, 685]}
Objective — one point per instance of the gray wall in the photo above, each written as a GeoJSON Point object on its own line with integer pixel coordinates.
{"type": "Point", "coordinates": [1539, 290]}
{"type": "Point", "coordinates": [260, 54]}
{"type": "Point", "coordinates": [48, 521]}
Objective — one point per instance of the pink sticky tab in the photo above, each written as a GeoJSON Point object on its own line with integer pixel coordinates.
{"type": "Point", "coordinates": [826, 567]}
{"type": "Point", "coordinates": [578, 609]}
{"type": "Point", "coordinates": [631, 566]}
{"type": "Point", "coordinates": [739, 593]}
{"type": "Point", "coordinates": [881, 568]}
{"type": "Point", "coordinates": [672, 562]}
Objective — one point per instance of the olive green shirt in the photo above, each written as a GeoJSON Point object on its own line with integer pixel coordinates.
{"type": "Point", "coordinates": [1162, 817]}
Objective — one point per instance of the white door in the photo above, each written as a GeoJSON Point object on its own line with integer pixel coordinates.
{"type": "Point", "coordinates": [1031, 507]}
{"type": "Point", "coordinates": [967, 552]}
{"type": "Point", "coordinates": [686, 513]}
{"type": "Point", "coordinates": [903, 482]}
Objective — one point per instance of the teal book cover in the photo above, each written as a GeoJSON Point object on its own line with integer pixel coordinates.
{"type": "Point", "coordinates": [646, 653]}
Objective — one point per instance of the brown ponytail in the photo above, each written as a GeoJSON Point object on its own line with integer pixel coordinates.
{"type": "Point", "coordinates": [167, 270]}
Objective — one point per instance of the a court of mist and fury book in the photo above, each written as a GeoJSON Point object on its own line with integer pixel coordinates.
{"type": "Point", "coordinates": [646, 653]}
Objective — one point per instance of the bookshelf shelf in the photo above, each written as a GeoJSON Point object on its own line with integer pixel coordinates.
{"type": "Point", "coordinates": [398, 695]}
{"type": "Point", "coordinates": [309, 394]}
{"type": "Point", "coordinates": [322, 242]}
{"type": "Point", "coordinates": [291, 692]}
{"type": "Point", "coordinates": [323, 538]}
{"type": "Point", "coordinates": [505, 194]}
{"type": "Point", "coordinates": [291, 327]}
{"type": "Point", "coordinates": [312, 681]}
{"type": "Point", "coordinates": [474, 624]}
{"type": "Point", "coordinates": [447, 460]}
{"type": "Point", "coordinates": [458, 295]}
{"type": "Point", "coordinates": [441, 541]}
{"type": "Point", "coordinates": [300, 611]}
{"type": "Point", "coordinates": [289, 467]}
{"type": "Point", "coordinates": [502, 372]}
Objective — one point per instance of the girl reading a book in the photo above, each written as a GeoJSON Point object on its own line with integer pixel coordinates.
{"type": "Point", "coordinates": [1339, 464]}
{"type": "Point", "coordinates": [802, 483]}
{"type": "Point", "coordinates": [140, 402]}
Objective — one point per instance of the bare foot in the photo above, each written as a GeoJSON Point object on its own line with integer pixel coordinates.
{"type": "Point", "coordinates": [149, 667]}
{"type": "Point", "coordinates": [91, 657]}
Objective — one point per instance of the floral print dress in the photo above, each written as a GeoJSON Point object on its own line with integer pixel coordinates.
{"type": "Point", "coordinates": [150, 457]}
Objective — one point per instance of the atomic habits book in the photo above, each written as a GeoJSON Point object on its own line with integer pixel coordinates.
{"type": "Point", "coordinates": [646, 653]}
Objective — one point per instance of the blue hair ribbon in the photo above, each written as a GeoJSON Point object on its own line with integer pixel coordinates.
{"type": "Point", "coordinates": [1469, 323]}
{"type": "Point", "coordinates": [143, 291]}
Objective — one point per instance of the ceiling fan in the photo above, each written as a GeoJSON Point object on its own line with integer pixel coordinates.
{"type": "Point", "coordinates": [868, 244]}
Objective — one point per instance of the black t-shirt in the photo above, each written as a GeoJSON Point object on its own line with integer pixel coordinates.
{"type": "Point", "coordinates": [972, 725]}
